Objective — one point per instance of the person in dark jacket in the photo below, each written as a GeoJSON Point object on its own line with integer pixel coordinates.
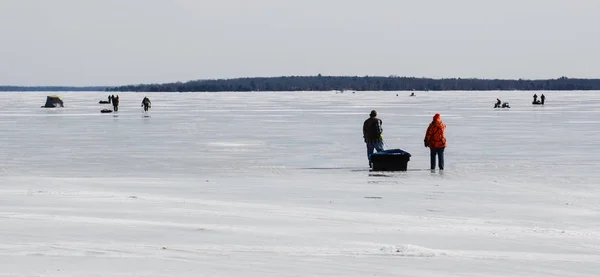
{"type": "Point", "coordinates": [543, 98]}
{"type": "Point", "coordinates": [115, 103]}
{"type": "Point", "coordinates": [146, 103]}
{"type": "Point", "coordinates": [372, 133]}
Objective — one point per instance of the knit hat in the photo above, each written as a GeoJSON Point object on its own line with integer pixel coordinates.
{"type": "Point", "coordinates": [373, 113]}
{"type": "Point", "coordinates": [436, 116]}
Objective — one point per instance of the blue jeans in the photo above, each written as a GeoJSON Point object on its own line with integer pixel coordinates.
{"type": "Point", "coordinates": [440, 154]}
{"type": "Point", "coordinates": [373, 145]}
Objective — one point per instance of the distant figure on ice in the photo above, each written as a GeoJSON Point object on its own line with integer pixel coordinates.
{"type": "Point", "coordinates": [498, 103]}
{"type": "Point", "coordinates": [435, 139]}
{"type": "Point", "coordinates": [115, 103]}
{"type": "Point", "coordinates": [412, 94]}
{"type": "Point", "coordinates": [535, 101]}
{"type": "Point", "coordinates": [543, 98]}
{"type": "Point", "coordinates": [372, 133]}
{"type": "Point", "coordinates": [106, 102]}
{"type": "Point", "coordinates": [146, 103]}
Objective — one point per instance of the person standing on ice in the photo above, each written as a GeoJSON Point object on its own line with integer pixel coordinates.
{"type": "Point", "coordinates": [146, 103]}
{"type": "Point", "coordinates": [372, 133]}
{"type": "Point", "coordinates": [543, 98]}
{"type": "Point", "coordinates": [435, 139]}
{"type": "Point", "coordinates": [115, 103]}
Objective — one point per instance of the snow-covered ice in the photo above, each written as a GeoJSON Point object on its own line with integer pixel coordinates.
{"type": "Point", "coordinates": [276, 184]}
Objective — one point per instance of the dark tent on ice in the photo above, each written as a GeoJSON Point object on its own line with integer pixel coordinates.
{"type": "Point", "coordinates": [53, 101]}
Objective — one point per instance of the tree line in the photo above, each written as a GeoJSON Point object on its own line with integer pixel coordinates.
{"type": "Point", "coordinates": [366, 83]}
{"type": "Point", "coordinates": [339, 83]}
{"type": "Point", "coordinates": [51, 88]}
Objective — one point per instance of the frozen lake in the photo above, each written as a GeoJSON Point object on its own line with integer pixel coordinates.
{"type": "Point", "coordinates": [276, 184]}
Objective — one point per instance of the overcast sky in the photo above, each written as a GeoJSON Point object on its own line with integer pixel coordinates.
{"type": "Point", "coordinates": [116, 42]}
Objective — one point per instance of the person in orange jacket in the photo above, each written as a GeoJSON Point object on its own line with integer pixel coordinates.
{"type": "Point", "coordinates": [435, 139]}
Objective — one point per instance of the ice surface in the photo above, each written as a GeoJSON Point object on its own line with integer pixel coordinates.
{"type": "Point", "coordinates": [276, 184]}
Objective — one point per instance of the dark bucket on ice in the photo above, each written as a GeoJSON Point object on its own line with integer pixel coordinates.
{"type": "Point", "coordinates": [390, 160]}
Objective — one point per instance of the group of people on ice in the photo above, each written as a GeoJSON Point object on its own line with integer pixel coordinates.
{"type": "Point", "coordinates": [500, 104]}
{"type": "Point", "coordinates": [435, 138]}
{"type": "Point", "coordinates": [538, 102]}
{"type": "Point", "coordinates": [114, 100]}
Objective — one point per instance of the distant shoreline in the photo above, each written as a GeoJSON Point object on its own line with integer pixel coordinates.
{"type": "Point", "coordinates": [337, 83]}
{"type": "Point", "coordinates": [50, 88]}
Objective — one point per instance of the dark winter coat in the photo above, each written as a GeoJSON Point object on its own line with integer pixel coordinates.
{"type": "Point", "coordinates": [372, 129]}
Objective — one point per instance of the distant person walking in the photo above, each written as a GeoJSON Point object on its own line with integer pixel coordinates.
{"type": "Point", "coordinates": [115, 103]}
{"type": "Point", "coordinates": [146, 104]}
{"type": "Point", "coordinates": [543, 98]}
{"type": "Point", "coordinates": [372, 133]}
{"type": "Point", "coordinates": [435, 139]}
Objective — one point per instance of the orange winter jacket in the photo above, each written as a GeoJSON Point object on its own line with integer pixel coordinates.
{"type": "Point", "coordinates": [435, 136]}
